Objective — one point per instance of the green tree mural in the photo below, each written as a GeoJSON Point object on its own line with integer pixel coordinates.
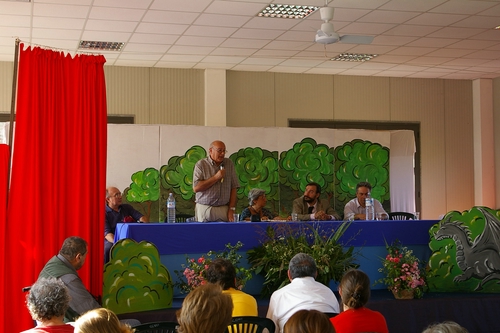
{"type": "Point", "coordinates": [358, 161]}
{"type": "Point", "coordinates": [177, 177]}
{"type": "Point", "coordinates": [144, 189]}
{"type": "Point", "coordinates": [135, 279]}
{"type": "Point", "coordinates": [306, 162]}
{"type": "Point", "coordinates": [257, 168]}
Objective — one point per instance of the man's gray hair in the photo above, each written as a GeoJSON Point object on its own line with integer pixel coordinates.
{"type": "Point", "coordinates": [446, 327]}
{"type": "Point", "coordinates": [48, 298]}
{"type": "Point", "coordinates": [302, 265]}
{"type": "Point", "coordinates": [254, 194]}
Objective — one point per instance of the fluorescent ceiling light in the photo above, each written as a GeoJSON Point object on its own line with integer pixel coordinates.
{"type": "Point", "coordinates": [354, 57]}
{"type": "Point", "coordinates": [108, 46]}
{"type": "Point", "coordinates": [287, 11]}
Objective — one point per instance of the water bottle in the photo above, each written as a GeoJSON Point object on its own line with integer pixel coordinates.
{"type": "Point", "coordinates": [171, 208]}
{"type": "Point", "coordinates": [369, 209]}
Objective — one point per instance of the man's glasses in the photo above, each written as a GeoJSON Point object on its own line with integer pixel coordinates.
{"type": "Point", "coordinates": [219, 150]}
{"type": "Point", "coordinates": [116, 195]}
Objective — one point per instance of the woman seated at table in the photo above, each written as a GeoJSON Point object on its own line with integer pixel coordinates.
{"type": "Point", "coordinates": [256, 212]}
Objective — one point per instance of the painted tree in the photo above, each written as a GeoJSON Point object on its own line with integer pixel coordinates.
{"type": "Point", "coordinates": [177, 177]}
{"type": "Point", "coordinates": [306, 162]}
{"type": "Point", "coordinates": [257, 168]}
{"type": "Point", "coordinates": [358, 161]}
{"type": "Point", "coordinates": [144, 189]}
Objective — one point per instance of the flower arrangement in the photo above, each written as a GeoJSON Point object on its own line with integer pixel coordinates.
{"type": "Point", "coordinates": [281, 242]}
{"type": "Point", "coordinates": [193, 272]}
{"type": "Point", "coordinates": [402, 271]}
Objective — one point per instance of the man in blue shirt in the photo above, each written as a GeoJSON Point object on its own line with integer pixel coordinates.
{"type": "Point", "coordinates": [117, 212]}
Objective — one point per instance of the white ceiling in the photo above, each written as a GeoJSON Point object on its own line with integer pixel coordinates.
{"type": "Point", "coordinates": [414, 38]}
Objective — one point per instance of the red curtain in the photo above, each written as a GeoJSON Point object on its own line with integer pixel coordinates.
{"type": "Point", "coordinates": [58, 172]}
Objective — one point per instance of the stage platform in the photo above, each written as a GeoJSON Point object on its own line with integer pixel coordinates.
{"type": "Point", "coordinates": [474, 311]}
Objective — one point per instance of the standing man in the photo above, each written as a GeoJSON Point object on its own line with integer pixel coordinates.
{"type": "Point", "coordinates": [309, 207]}
{"type": "Point", "coordinates": [304, 292]}
{"type": "Point", "coordinates": [357, 205]}
{"type": "Point", "coordinates": [117, 212]}
{"type": "Point", "coordinates": [215, 184]}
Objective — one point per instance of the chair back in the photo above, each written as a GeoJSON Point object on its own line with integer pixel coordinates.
{"type": "Point", "coordinates": [157, 327]}
{"type": "Point", "coordinates": [249, 324]}
{"type": "Point", "coordinates": [401, 216]}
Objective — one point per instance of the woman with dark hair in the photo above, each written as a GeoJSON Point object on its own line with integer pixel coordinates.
{"type": "Point", "coordinates": [354, 289]}
{"type": "Point", "coordinates": [47, 303]}
{"type": "Point", "coordinates": [308, 321]}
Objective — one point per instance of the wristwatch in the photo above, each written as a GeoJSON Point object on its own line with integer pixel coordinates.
{"type": "Point", "coordinates": [233, 208]}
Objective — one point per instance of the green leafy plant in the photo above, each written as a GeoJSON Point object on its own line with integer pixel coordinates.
{"type": "Point", "coordinates": [282, 242]}
{"type": "Point", "coordinates": [402, 270]}
{"type": "Point", "coordinates": [193, 273]}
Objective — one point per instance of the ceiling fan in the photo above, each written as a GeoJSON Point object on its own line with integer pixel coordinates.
{"type": "Point", "coordinates": [327, 34]}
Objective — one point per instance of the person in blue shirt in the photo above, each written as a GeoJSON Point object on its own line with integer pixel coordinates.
{"type": "Point", "coordinates": [117, 212]}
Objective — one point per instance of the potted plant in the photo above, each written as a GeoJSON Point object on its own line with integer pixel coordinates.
{"type": "Point", "coordinates": [193, 272]}
{"type": "Point", "coordinates": [281, 242]}
{"type": "Point", "coordinates": [404, 275]}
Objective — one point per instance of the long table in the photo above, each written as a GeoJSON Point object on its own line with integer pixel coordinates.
{"type": "Point", "coordinates": [175, 241]}
{"type": "Point", "coordinates": [181, 238]}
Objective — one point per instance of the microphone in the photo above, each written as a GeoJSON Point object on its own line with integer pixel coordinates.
{"type": "Point", "coordinates": [222, 168]}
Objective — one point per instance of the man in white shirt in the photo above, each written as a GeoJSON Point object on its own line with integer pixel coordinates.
{"type": "Point", "coordinates": [302, 293]}
{"type": "Point", "coordinates": [356, 207]}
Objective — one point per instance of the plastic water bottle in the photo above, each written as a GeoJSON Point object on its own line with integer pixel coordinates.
{"type": "Point", "coordinates": [369, 209]}
{"type": "Point", "coordinates": [171, 208]}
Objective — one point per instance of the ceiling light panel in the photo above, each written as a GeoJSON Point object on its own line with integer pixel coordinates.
{"type": "Point", "coordinates": [287, 11]}
{"type": "Point", "coordinates": [107, 46]}
{"type": "Point", "coordinates": [353, 57]}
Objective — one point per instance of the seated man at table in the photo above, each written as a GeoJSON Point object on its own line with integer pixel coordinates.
{"type": "Point", "coordinates": [222, 272]}
{"type": "Point", "coordinates": [116, 212]}
{"type": "Point", "coordinates": [215, 183]}
{"type": "Point", "coordinates": [304, 292]}
{"type": "Point", "coordinates": [309, 207]}
{"type": "Point", "coordinates": [356, 207]}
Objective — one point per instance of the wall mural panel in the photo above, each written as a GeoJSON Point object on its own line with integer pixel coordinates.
{"type": "Point", "coordinates": [148, 162]}
{"type": "Point", "coordinates": [466, 252]}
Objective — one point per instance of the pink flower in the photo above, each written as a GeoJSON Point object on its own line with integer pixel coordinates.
{"type": "Point", "coordinates": [201, 260]}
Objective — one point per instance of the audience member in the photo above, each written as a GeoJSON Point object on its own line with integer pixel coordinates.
{"type": "Point", "coordinates": [356, 207]}
{"type": "Point", "coordinates": [205, 309]}
{"type": "Point", "coordinates": [117, 212]}
{"type": "Point", "coordinates": [64, 266]}
{"type": "Point", "coordinates": [101, 321]}
{"type": "Point", "coordinates": [222, 272]}
{"type": "Point", "coordinates": [310, 207]}
{"type": "Point", "coordinates": [47, 303]}
{"type": "Point", "coordinates": [256, 210]}
{"type": "Point", "coordinates": [302, 293]}
{"type": "Point", "coordinates": [446, 327]}
{"type": "Point", "coordinates": [215, 183]}
{"type": "Point", "coordinates": [308, 321]}
{"type": "Point", "coordinates": [354, 290]}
